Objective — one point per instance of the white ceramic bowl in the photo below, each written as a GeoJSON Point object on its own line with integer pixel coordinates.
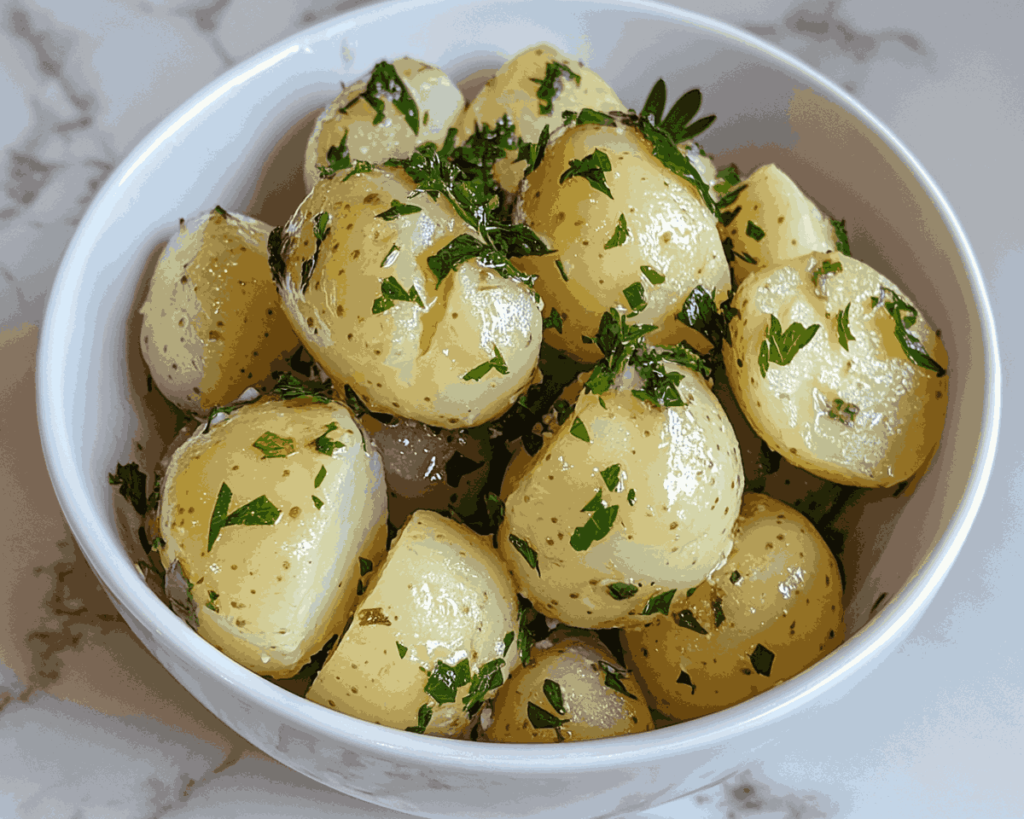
{"type": "Point", "coordinates": [239, 143]}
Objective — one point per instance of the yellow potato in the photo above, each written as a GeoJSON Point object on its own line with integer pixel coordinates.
{"type": "Point", "coordinates": [773, 609]}
{"type": "Point", "coordinates": [599, 557]}
{"type": "Point", "coordinates": [516, 92]}
{"type": "Point", "coordinates": [424, 353]}
{"type": "Point", "coordinates": [574, 690]}
{"type": "Point", "coordinates": [791, 223]}
{"type": "Point", "coordinates": [862, 415]}
{"type": "Point", "coordinates": [212, 323]}
{"type": "Point", "coordinates": [432, 638]}
{"type": "Point", "coordinates": [652, 218]}
{"type": "Point", "coordinates": [274, 582]}
{"type": "Point", "coordinates": [349, 119]}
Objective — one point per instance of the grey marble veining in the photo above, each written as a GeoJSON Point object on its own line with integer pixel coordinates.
{"type": "Point", "coordinates": [92, 726]}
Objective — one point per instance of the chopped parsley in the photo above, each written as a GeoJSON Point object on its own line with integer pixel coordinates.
{"type": "Point", "coordinates": [843, 327]}
{"type": "Point", "coordinates": [622, 591]}
{"type": "Point", "coordinates": [735, 577]}
{"type": "Point", "coordinates": [258, 512]}
{"type": "Point", "coordinates": [613, 679]}
{"type": "Point", "coordinates": [321, 228]}
{"type": "Point", "coordinates": [592, 167]}
{"type": "Point", "coordinates": [827, 267]}
{"type": "Point", "coordinates": [397, 209]}
{"type": "Point", "coordinates": [324, 445]}
{"type": "Point", "coordinates": [527, 551]}
{"type": "Point", "coordinates": [731, 254]}
{"type": "Point", "coordinates": [762, 660]}
{"type": "Point", "coordinates": [391, 257]}
{"type": "Point", "coordinates": [391, 291]}
{"type": "Point", "coordinates": [495, 509]}
{"type": "Point", "coordinates": [631, 497]}
{"type": "Point", "coordinates": [274, 446]}
{"type": "Point", "coordinates": [539, 718]}
{"type": "Point", "coordinates": [533, 152]}
{"type": "Point", "coordinates": [635, 298]}
{"type": "Point", "coordinates": [509, 639]}
{"type": "Point", "coordinates": [579, 430]}
{"type": "Point", "coordinates": [620, 234]}
{"type": "Point", "coordinates": [445, 680]}
{"type": "Point", "coordinates": [549, 87]}
{"type": "Point", "coordinates": [132, 483]}
{"type": "Point", "coordinates": [220, 211]}
{"type": "Point", "coordinates": [659, 603]}
{"type": "Point", "coordinates": [716, 607]}
{"type": "Point", "coordinates": [677, 123]}
{"type": "Point", "coordinates": [652, 275]}
{"type": "Point", "coordinates": [561, 270]}
{"type": "Point", "coordinates": [211, 604]}
{"type": "Point", "coordinates": [496, 363]}
{"type": "Point", "coordinates": [597, 527]}
{"type": "Point", "coordinates": [781, 347]}
{"type": "Point", "coordinates": [687, 619]}
{"type": "Point", "coordinates": [402, 650]}
{"type": "Point", "coordinates": [905, 316]}
{"type": "Point", "coordinates": [554, 321]}
{"type": "Point", "coordinates": [288, 386]}
{"type": "Point", "coordinates": [338, 158]}
{"type": "Point", "coordinates": [843, 412]}
{"type": "Point", "coordinates": [553, 694]}
{"type": "Point", "coordinates": [754, 232]}
{"type": "Point", "coordinates": [486, 680]}
{"type": "Point", "coordinates": [563, 409]}
{"type": "Point", "coordinates": [385, 84]}
{"type": "Point", "coordinates": [320, 477]}
{"type": "Point", "coordinates": [610, 476]}
{"type": "Point", "coordinates": [365, 565]}
{"type": "Point", "coordinates": [842, 240]}
{"type": "Point", "coordinates": [422, 720]}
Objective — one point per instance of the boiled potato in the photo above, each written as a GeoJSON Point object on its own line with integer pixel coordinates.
{"type": "Point", "coordinates": [270, 515]}
{"type": "Point", "coordinates": [773, 220]}
{"type": "Point", "coordinates": [850, 406]}
{"type": "Point", "coordinates": [650, 230]}
{"type": "Point", "coordinates": [601, 533]}
{"type": "Point", "coordinates": [212, 324]}
{"type": "Point", "coordinates": [533, 89]}
{"type": "Point", "coordinates": [368, 308]}
{"type": "Point", "coordinates": [574, 690]}
{"type": "Point", "coordinates": [773, 609]}
{"type": "Point", "coordinates": [433, 637]}
{"type": "Point", "coordinates": [348, 123]}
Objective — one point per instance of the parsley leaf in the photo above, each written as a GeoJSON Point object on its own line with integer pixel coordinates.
{"type": "Point", "coordinates": [687, 619]}
{"type": "Point", "coordinates": [527, 551]}
{"type": "Point", "coordinates": [533, 152]}
{"type": "Point", "coordinates": [905, 315]}
{"type": "Point", "coordinates": [365, 565]}
{"type": "Point", "coordinates": [338, 158]}
{"type": "Point", "coordinates": [220, 515]}
{"type": "Point", "coordinates": [487, 679]}
{"type": "Point", "coordinates": [842, 240]}
{"type": "Point", "coordinates": [631, 497]}
{"type": "Point", "coordinates": [132, 483]}
{"type": "Point", "coordinates": [610, 476]}
{"type": "Point", "coordinates": [613, 679]}
{"type": "Point", "coordinates": [551, 84]}
{"type": "Point", "coordinates": [754, 232]}
{"type": "Point", "coordinates": [781, 347]}
{"type": "Point", "coordinates": [554, 321]}
{"type": "Point", "coordinates": [445, 680]}
{"type": "Point", "coordinates": [659, 603]}
{"type": "Point", "coordinates": [562, 410]}
{"type": "Point", "coordinates": [635, 298]}
{"type": "Point", "coordinates": [319, 504]}
{"type": "Point", "coordinates": [211, 604]}
{"type": "Point", "coordinates": [561, 270]}
{"type": "Point", "coordinates": [654, 105]}
{"type": "Point", "coordinates": [274, 446]}
{"type": "Point", "coordinates": [579, 430]}
{"type": "Point", "coordinates": [652, 275]}
{"type": "Point", "coordinates": [592, 168]}
{"type": "Point", "coordinates": [258, 512]}
{"type": "Point", "coordinates": [454, 253]}
{"type": "Point", "coordinates": [391, 291]}
{"type": "Point", "coordinates": [620, 235]}
{"type": "Point", "coordinates": [397, 209]}
{"type": "Point", "coordinates": [735, 577]}
{"type": "Point", "coordinates": [762, 660]}
{"type": "Point", "coordinates": [402, 650]}
{"type": "Point", "coordinates": [325, 445]}
{"type": "Point", "coordinates": [716, 607]}
{"type": "Point", "coordinates": [588, 116]}
{"type": "Point", "coordinates": [496, 363]}
{"type": "Point", "coordinates": [220, 211]}
{"type": "Point", "coordinates": [843, 412]}
{"type": "Point", "coordinates": [553, 694]}
{"type": "Point", "coordinates": [597, 527]}
{"type": "Point", "coordinates": [677, 121]}
{"type": "Point", "coordinates": [622, 591]}
{"type": "Point", "coordinates": [843, 327]}
{"type": "Point", "coordinates": [288, 387]}
{"type": "Point", "coordinates": [320, 477]}
{"type": "Point", "coordinates": [539, 718]}
{"type": "Point", "coordinates": [320, 231]}
{"type": "Point", "coordinates": [422, 720]}
{"type": "Point", "coordinates": [385, 84]}
{"type": "Point", "coordinates": [826, 268]}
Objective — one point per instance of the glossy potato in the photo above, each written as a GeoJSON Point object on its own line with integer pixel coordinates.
{"type": "Point", "coordinates": [516, 91]}
{"type": "Point", "coordinates": [278, 575]}
{"type": "Point", "coordinates": [212, 324]}
{"type": "Point", "coordinates": [574, 690]}
{"type": "Point", "coordinates": [774, 221]}
{"type": "Point", "coordinates": [864, 414]}
{"type": "Point", "coordinates": [438, 625]}
{"type": "Point", "coordinates": [773, 609]}
{"type": "Point", "coordinates": [422, 354]}
{"type": "Point", "coordinates": [349, 119]}
{"type": "Point", "coordinates": [652, 218]}
{"type": "Point", "coordinates": [599, 556]}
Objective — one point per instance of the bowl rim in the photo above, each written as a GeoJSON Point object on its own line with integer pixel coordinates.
{"type": "Point", "coordinates": [105, 552]}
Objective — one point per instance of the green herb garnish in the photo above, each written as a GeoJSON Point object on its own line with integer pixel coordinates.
{"type": "Point", "coordinates": [597, 527]}
{"type": "Point", "coordinates": [561, 270]}
{"type": "Point", "coordinates": [385, 84]}
{"type": "Point", "coordinates": [613, 679]}
{"type": "Point", "coordinates": [132, 483]}
{"type": "Point", "coordinates": [495, 509]}
{"type": "Point", "coordinates": [652, 275]}
{"type": "Point", "coordinates": [579, 430]}
{"type": "Point", "coordinates": [553, 694]}
{"type": "Point", "coordinates": [402, 650]}
{"type": "Point", "coordinates": [762, 660]}
{"type": "Point", "coordinates": [258, 512]}
{"type": "Point", "coordinates": [422, 720]}
{"type": "Point", "coordinates": [397, 209]}
{"type": "Point", "coordinates": [365, 565]}
{"type": "Point", "coordinates": [754, 232]}
{"type": "Point", "coordinates": [288, 387]}
{"type": "Point", "coordinates": [551, 84]}
{"type": "Point", "coordinates": [496, 363]}
{"type": "Point", "coordinates": [320, 477]}
{"type": "Point", "coordinates": [324, 445]}
{"type": "Point", "coordinates": [780, 347]}
{"type": "Point", "coordinates": [735, 577]}
{"type": "Point", "coordinates": [622, 591]}
{"type": "Point", "coordinates": [610, 476]}
{"type": "Point", "coordinates": [391, 292]}
{"type": "Point", "coordinates": [827, 267]}
{"type": "Point", "coordinates": [274, 446]}
{"type": "Point", "coordinates": [211, 604]}
{"type": "Point", "coordinates": [843, 412]}
{"type": "Point", "coordinates": [905, 316]}
{"type": "Point", "coordinates": [592, 168]}
{"type": "Point", "coordinates": [539, 718]}
{"type": "Point", "coordinates": [527, 551]}
{"type": "Point", "coordinates": [631, 497]}
{"type": "Point", "coordinates": [687, 619]}
{"type": "Point", "coordinates": [445, 680]}
{"type": "Point", "coordinates": [635, 298]}
{"type": "Point", "coordinates": [843, 327]}
{"type": "Point", "coordinates": [620, 235]}
{"type": "Point", "coordinates": [659, 603]}
{"type": "Point", "coordinates": [716, 607]}
{"type": "Point", "coordinates": [486, 680]}
{"type": "Point", "coordinates": [842, 240]}
{"type": "Point", "coordinates": [554, 321]}
{"type": "Point", "coordinates": [319, 504]}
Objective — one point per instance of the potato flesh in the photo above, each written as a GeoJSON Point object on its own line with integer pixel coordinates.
{"type": "Point", "coordinates": [438, 99]}
{"type": "Point", "coordinates": [442, 595]}
{"type": "Point", "coordinates": [212, 324]}
{"type": "Point", "coordinates": [901, 406]}
{"type": "Point", "coordinates": [683, 464]}
{"type": "Point", "coordinates": [282, 589]}
{"type": "Point", "coordinates": [786, 598]}
{"type": "Point", "coordinates": [512, 92]}
{"type": "Point", "coordinates": [793, 225]}
{"type": "Point", "coordinates": [410, 361]}
{"type": "Point", "coordinates": [592, 709]}
{"type": "Point", "coordinates": [670, 229]}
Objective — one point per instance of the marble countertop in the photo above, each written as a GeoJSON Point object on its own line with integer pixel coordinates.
{"type": "Point", "coordinates": [92, 726]}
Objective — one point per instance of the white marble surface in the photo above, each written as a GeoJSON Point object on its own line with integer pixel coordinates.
{"type": "Point", "coordinates": [92, 726]}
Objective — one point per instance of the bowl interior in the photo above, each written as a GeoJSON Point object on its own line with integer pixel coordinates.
{"type": "Point", "coordinates": [239, 144]}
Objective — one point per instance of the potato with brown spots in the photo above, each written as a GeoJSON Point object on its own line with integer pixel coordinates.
{"type": "Point", "coordinates": [861, 400]}
{"type": "Point", "coordinates": [573, 690]}
{"type": "Point", "coordinates": [449, 347]}
{"type": "Point", "coordinates": [626, 230]}
{"type": "Point", "coordinates": [352, 129]}
{"type": "Point", "coordinates": [625, 506]}
{"type": "Point", "coordinates": [433, 637]}
{"type": "Point", "coordinates": [773, 609]}
{"type": "Point", "coordinates": [212, 323]}
{"type": "Point", "coordinates": [270, 514]}
{"type": "Point", "coordinates": [772, 220]}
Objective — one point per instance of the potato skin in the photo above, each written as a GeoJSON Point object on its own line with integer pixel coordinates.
{"type": "Point", "coordinates": [683, 464]}
{"type": "Point", "coordinates": [670, 229]}
{"type": "Point", "coordinates": [793, 225]}
{"type": "Point", "coordinates": [438, 99]}
{"type": "Point", "coordinates": [409, 360]}
{"type": "Point", "coordinates": [900, 406]}
{"type": "Point", "coordinates": [592, 709]}
{"type": "Point", "coordinates": [779, 589]}
{"type": "Point", "coordinates": [512, 92]}
{"type": "Point", "coordinates": [282, 589]}
{"type": "Point", "coordinates": [212, 323]}
{"type": "Point", "coordinates": [442, 595]}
